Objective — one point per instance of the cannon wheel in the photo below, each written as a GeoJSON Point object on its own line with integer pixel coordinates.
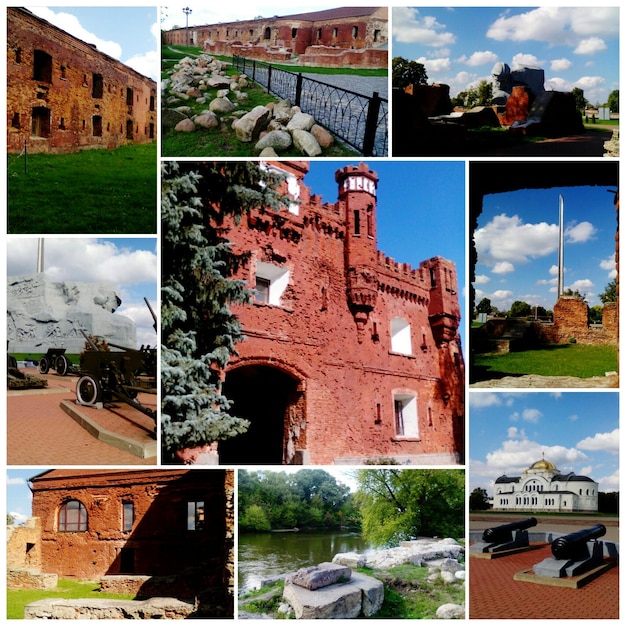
{"type": "Point", "coordinates": [62, 365]}
{"type": "Point", "coordinates": [88, 391]}
{"type": "Point", "coordinates": [44, 365]}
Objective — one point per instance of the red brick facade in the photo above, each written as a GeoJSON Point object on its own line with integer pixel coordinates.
{"type": "Point", "coordinates": [278, 38]}
{"type": "Point", "coordinates": [175, 523]}
{"type": "Point", "coordinates": [349, 354]}
{"type": "Point", "coordinates": [64, 95]}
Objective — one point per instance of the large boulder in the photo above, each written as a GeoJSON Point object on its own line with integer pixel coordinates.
{"type": "Point", "coordinates": [251, 124]}
{"type": "Point", "coordinates": [321, 575]}
{"type": "Point", "coordinates": [277, 139]}
{"type": "Point", "coordinates": [305, 143]}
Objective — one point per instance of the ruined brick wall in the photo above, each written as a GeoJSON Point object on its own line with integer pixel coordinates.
{"type": "Point", "coordinates": [325, 56]}
{"type": "Point", "coordinates": [339, 28]}
{"type": "Point", "coordinates": [159, 543]}
{"type": "Point", "coordinates": [571, 322]}
{"type": "Point", "coordinates": [24, 545]}
{"type": "Point", "coordinates": [331, 332]}
{"type": "Point", "coordinates": [64, 95]}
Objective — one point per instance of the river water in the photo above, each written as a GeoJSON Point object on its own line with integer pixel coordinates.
{"type": "Point", "coordinates": [263, 555]}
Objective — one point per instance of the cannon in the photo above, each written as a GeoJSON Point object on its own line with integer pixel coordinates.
{"type": "Point", "coordinates": [574, 545]}
{"type": "Point", "coordinates": [55, 359]}
{"type": "Point", "coordinates": [117, 375]}
{"type": "Point", "coordinates": [504, 533]}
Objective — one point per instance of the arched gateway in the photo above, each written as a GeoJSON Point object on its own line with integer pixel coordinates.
{"type": "Point", "coordinates": [273, 400]}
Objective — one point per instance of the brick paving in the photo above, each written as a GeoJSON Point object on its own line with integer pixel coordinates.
{"type": "Point", "coordinates": [39, 432]}
{"type": "Point", "coordinates": [493, 594]}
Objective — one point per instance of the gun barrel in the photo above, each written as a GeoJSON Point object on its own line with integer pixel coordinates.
{"type": "Point", "coordinates": [500, 534]}
{"type": "Point", "coordinates": [567, 546]}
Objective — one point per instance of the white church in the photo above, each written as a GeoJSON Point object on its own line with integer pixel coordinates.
{"type": "Point", "coordinates": [542, 487]}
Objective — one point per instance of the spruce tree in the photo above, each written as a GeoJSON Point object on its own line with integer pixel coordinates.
{"type": "Point", "coordinates": [199, 203]}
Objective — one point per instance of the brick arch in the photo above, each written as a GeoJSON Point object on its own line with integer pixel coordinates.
{"type": "Point", "coordinates": [270, 394]}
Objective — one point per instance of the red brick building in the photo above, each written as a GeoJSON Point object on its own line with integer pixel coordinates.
{"type": "Point", "coordinates": [64, 95]}
{"type": "Point", "coordinates": [155, 523]}
{"type": "Point", "coordinates": [344, 28]}
{"type": "Point", "coordinates": [349, 354]}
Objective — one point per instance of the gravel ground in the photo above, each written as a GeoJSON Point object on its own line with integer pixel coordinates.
{"type": "Point", "coordinates": [365, 85]}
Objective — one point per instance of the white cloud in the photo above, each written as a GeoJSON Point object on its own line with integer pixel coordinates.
{"type": "Point", "coordinates": [557, 25]}
{"type": "Point", "coordinates": [531, 415]}
{"type": "Point", "coordinates": [559, 65]}
{"type": "Point", "coordinates": [592, 45]}
{"type": "Point", "coordinates": [15, 480]}
{"type": "Point", "coordinates": [608, 265]}
{"type": "Point", "coordinates": [479, 400]}
{"type": "Point", "coordinates": [580, 233]}
{"type": "Point", "coordinates": [501, 295]}
{"type": "Point", "coordinates": [435, 65]}
{"type": "Point", "coordinates": [513, 432]}
{"type": "Point", "coordinates": [482, 279]}
{"type": "Point", "coordinates": [609, 483]}
{"type": "Point", "coordinates": [507, 238]}
{"type": "Point", "coordinates": [146, 64]}
{"type": "Point", "coordinates": [526, 60]}
{"type": "Point", "coordinates": [410, 27]}
{"type": "Point", "coordinates": [601, 442]}
{"type": "Point", "coordinates": [480, 58]}
{"type": "Point", "coordinates": [583, 285]}
{"type": "Point", "coordinates": [71, 24]}
{"type": "Point", "coordinates": [503, 267]}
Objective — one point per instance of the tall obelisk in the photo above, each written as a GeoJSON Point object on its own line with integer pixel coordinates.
{"type": "Point", "coordinates": [561, 268]}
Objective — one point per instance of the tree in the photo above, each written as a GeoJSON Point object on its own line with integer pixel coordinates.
{"type": "Point", "coordinates": [579, 99]}
{"type": "Point", "coordinates": [613, 101]}
{"type": "Point", "coordinates": [199, 202]}
{"type": "Point", "coordinates": [520, 309]}
{"type": "Point", "coordinates": [610, 293]}
{"type": "Point", "coordinates": [595, 314]}
{"type": "Point", "coordinates": [397, 505]}
{"type": "Point", "coordinates": [479, 500]}
{"type": "Point", "coordinates": [484, 306]}
{"type": "Point", "coordinates": [481, 95]}
{"type": "Point", "coordinates": [405, 73]}
{"type": "Point", "coordinates": [254, 519]}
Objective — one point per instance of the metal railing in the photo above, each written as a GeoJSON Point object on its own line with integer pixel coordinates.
{"type": "Point", "coordinates": [358, 120]}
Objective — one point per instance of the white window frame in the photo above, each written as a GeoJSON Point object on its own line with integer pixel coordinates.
{"type": "Point", "coordinates": [401, 336]}
{"type": "Point", "coordinates": [278, 278]}
{"type": "Point", "coordinates": [406, 424]}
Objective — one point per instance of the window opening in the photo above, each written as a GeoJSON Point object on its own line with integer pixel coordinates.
{"type": "Point", "coordinates": [97, 125]}
{"type": "Point", "coordinates": [128, 516]}
{"type": "Point", "coordinates": [405, 409]}
{"type": "Point", "coordinates": [355, 32]}
{"type": "Point", "coordinates": [195, 515]}
{"type": "Point", "coordinates": [357, 222]}
{"type": "Point", "coordinates": [42, 66]}
{"type": "Point", "coordinates": [97, 87]}
{"type": "Point", "coordinates": [270, 283]}
{"type": "Point", "coordinates": [401, 336]}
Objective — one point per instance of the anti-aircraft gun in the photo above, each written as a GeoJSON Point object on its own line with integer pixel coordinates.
{"type": "Point", "coordinates": [119, 374]}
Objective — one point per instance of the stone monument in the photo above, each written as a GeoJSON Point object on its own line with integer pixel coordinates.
{"type": "Point", "coordinates": [44, 314]}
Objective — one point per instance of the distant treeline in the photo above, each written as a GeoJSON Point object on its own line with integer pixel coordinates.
{"type": "Point", "coordinates": [305, 499]}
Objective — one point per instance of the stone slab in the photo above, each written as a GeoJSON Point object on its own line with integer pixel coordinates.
{"type": "Point", "coordinates": [322, 575]}
{"type": "Point", "coordinates": [339, 601]}
{"type": "Point", "coordinates": [573, 582]}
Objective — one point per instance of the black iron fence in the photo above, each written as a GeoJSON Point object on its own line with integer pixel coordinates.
{"type": "Point", "coordinates": [359, 121]}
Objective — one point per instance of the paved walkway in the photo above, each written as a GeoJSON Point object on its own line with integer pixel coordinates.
{"type": "Point", "coordinates": [493, 594]}
{"type": "Point", "coordinates": [39, 432]}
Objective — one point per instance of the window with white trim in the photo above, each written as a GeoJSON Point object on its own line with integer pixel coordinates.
{"type": "Point", "coordinates": [405, 412]}
{"type": "Point", "coordinates": [401, 336]}
{"type": "Point", "coordinates": [270, 283]}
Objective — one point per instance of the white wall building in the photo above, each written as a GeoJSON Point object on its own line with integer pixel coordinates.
{"type": "Point", "coordinates": [542, 487]}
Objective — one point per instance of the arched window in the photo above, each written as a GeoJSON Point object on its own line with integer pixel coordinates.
{"type": "Point", "coordinates": [72, 517]}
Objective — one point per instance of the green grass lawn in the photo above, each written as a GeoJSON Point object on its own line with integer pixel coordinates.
{"type": "Point", "coordinates": [92, 192]}
{"type": "Point", "coordinates": [577, 360]}
{"type": "Point", "coordinates": [67, 589]}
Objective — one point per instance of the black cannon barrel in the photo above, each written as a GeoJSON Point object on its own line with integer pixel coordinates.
{"type": "Point", "coordinates": [500, 534]}
{"type": "Point", "coordinates": [567, 546]}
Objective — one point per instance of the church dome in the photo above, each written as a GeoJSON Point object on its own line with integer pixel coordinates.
{"type": "Point", "coordinates": [543, 465]}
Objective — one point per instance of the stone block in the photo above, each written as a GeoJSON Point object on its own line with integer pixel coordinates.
{"type": "Point", "coordinates": [322, 575]}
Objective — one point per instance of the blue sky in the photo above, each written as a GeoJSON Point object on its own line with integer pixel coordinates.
{"type": "Point", "coordinates": [420, 209]}
{"type": "Point", "coordinates": [577, 431]}
{"type": "Point", "coordinates": [576, 46]}
{"type": "Point", "coordinates": [517, 245]}
{"type": "Point", "coordinates": [129, 34]}
{"type": "Point", "coordinates": [130, 263]}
